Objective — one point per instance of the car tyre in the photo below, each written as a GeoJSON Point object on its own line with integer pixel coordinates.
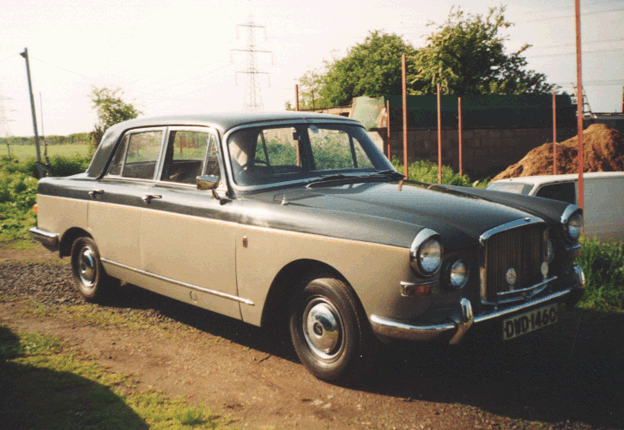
{"type": "Point", "coordinates": [330, 331]}
{"type": "Point", "coordinates": [89, 275]}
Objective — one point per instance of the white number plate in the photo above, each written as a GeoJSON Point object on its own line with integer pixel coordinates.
{"type": "Point", "coordinates": [529, 321]}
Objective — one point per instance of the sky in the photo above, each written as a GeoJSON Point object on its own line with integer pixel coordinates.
{"type": "Point", "coordinates": [186, 56]}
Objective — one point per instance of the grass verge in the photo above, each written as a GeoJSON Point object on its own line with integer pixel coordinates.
{"type": "Point", "coordinates": [49, 384]}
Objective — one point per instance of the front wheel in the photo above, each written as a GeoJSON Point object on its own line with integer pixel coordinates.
{"type": "Point", "coordinates": [330, 331]}
{"type": "Point", "coordinates": [89, 276]}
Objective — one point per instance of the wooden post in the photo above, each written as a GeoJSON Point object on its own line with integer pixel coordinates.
{"type": "Point", "coordinates": [554, 105]}
{"type": "Point", "coordinates": [297, 97]}
{"type": "Point", "coordinates": [460, 137]}
{"type": "Point", "coordinates": [404, 83]}
{"type": "Point", "coordinates": [579, 107]}
{"type": "Point", "coordinates": [438, 89]}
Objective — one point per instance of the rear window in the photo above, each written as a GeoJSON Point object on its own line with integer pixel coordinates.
{"type": "Point", "coordinates": [510, 187]}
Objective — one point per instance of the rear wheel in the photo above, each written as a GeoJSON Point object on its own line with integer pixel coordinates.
{"type": "Point", "coordinates": [89, 276]}
{"type": "Point", "coordinates": [330, 331]}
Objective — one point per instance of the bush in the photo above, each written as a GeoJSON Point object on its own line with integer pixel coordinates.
{"type": "Point", "coordinates": [603, 264]}
{"type": "Point", "coordinates": [426, 171]}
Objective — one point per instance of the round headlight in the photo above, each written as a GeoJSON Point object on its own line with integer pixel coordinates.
{"type": "Point", "coordinates": [574, 226]}
{"type": "Point", "coordinates": [429, 256]}
{"type": "Point", "coordinates": [550, 251]}
{"type": "Point", "coordinates": [458, 274]}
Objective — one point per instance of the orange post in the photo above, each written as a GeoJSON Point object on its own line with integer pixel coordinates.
{"type": "Point", "coordinates": [579, 107]}
{"type": "Point", "coordinates": [554, 104]}
{"type": "Point", "coordinates": [404, 83]}
{"type": "Point", "coordinates": [388, 129]}
{"type": "Point", "coordinates": [438, 89]}
{"type": "Point", "coordinates": [460, 137]}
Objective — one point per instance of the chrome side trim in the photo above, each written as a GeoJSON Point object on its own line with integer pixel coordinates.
{"type": "Point", "coordinates": [508, 226]}
{"type": "Point", "coordinates": [45, 237]}
{"type": "Point", "coordinates": [182, 284]}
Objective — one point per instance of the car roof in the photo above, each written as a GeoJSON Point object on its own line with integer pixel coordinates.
{"type": "Point", "coordinates": [549, 179]}
{"type": "Point", "coordinates": [221, 121]}
{"type": "Point", "coordinates": [224, 121]}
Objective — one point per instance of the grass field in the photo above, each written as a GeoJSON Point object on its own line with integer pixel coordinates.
{"type": "Point", "coordinates": [24, 151]}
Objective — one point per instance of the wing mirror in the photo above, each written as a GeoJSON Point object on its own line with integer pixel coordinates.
{"type": "Point", "coordinates": [207, 182]}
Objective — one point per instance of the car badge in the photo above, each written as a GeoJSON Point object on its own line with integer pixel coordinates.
{"type": "Point", "coordinates": [511, 277]}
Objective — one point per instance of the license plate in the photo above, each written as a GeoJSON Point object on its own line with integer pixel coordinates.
{"type": "Point", "coordinates": [529, 321]}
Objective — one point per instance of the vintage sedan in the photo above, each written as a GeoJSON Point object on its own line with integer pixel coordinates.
{"type": "Point", "coordinates": [299, 217]}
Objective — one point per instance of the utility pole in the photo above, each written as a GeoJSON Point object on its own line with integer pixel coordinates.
{"type": "Point", "coordinates": [32, 108]}
{"type": "Point", "coordinates": [253, 94]}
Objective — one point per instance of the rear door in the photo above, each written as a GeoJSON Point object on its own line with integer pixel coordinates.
{"type": "Point", "coordinates": [116, 203]}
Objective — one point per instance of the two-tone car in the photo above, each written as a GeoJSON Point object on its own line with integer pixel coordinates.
{"type": "Point", "coordinates": [299, 217]}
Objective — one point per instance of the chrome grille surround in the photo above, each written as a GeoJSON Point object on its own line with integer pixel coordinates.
{"type": "Point", "coordinates": [519, 245]}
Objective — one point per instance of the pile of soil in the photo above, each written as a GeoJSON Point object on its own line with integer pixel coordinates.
{"type": "Point", "coordinates": [603, 152]}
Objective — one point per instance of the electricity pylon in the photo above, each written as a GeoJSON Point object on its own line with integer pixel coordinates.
{"type": "Point", "coordinates": [253, 93]}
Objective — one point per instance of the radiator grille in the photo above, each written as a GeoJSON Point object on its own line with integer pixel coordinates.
{"type": "Point", "coordinates": [518, 248]}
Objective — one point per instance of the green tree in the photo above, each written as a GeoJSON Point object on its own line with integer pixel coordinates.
{"type": "Point", "coordinates": [111, 109]}
{"type": "Point", "coordinates": [371, 68]}
{"type": "Point", "coordinates": [467, 55]}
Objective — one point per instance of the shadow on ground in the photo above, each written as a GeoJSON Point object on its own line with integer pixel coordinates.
{"type": "Point", "coordinates": [34, 397]}
{"type": "Point", "coordinates": [572, 371]}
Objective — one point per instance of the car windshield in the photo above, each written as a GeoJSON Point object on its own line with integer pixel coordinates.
{"type": "Point", "coordinates": [268, 155]}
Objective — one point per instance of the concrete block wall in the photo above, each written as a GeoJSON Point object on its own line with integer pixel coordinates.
{"type": "Point", "coordinates": [487, 151]}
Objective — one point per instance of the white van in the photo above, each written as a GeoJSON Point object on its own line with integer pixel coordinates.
{"type": "Point", "coordinates": [603, 198]}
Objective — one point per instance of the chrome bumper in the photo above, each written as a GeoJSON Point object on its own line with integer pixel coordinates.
{"type": "Point", "coordinates": [462, 319]}
{"type": "Point", "coordinates": [47, 239]}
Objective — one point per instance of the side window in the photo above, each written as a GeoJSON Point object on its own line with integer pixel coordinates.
{"type": "Point", "coordinates": [336, 149]}
{"type": "Point", "coordinates": [564, 192]}
{"type": "Point", "coordinates": [137, 155]}
{"type": "Point", "coordinates": [184, 159]}
{"type": "Point", "coordinates": [212, 161]}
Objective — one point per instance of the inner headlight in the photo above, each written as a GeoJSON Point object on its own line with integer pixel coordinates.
{"type": "Point", "coordinates": [426, 252]}
{"type": "Point", "coordinates": [574, 226]}
{"type": "Point", "coordinates": [550, 251]}
{"type": "Point", "coordinates": [458, 274]}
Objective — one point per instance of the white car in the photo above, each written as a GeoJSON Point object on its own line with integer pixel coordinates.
{"type": "Point", "coordinates": [603, 209]}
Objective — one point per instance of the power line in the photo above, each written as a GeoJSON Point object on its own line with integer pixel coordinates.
{"type": "Point", "coordinates": [573, 53]}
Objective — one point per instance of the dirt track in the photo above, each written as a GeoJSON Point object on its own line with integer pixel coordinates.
{"type": "Point", "coordinates": [561, 378]}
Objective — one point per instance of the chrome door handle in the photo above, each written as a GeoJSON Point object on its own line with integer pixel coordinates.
{"type": "Point", "coordinates": [93, 193]}
{"type": "Point", "coordinates": [147, 198]}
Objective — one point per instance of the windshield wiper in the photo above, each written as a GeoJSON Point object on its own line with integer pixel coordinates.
{"type": "Point", "coordinates": [349, 178]}
{"type": "Point", "coordinates": [389, 172]}
{"type": "Point", "coordinates": [327, 178]}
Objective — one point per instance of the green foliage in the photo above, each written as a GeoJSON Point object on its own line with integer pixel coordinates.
{"type": "Point", "coordinates": [111, 109]}
{"type": "Point", "coordinates": [371, 68]}
{"type": "Point", "coordinates": [426, 171]}
{"type": "Point", "coordinates": [603, 264]}
{"type": "Point", "coordinates": [18, 191]}
{"type": "Point", "coordinates": [467, 55]}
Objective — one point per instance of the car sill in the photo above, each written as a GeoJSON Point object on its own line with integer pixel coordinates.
{"type": "Point", "coordinates": [180, 283]}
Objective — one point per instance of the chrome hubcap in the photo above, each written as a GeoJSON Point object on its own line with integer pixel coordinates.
{"type": "Point", "coordinates": [86, 266]}
{"type": "Point", "coordinates": [322, 328]}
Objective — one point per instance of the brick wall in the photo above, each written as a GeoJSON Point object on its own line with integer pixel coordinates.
{"type": "Point", "coordinates": [487, 151]}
